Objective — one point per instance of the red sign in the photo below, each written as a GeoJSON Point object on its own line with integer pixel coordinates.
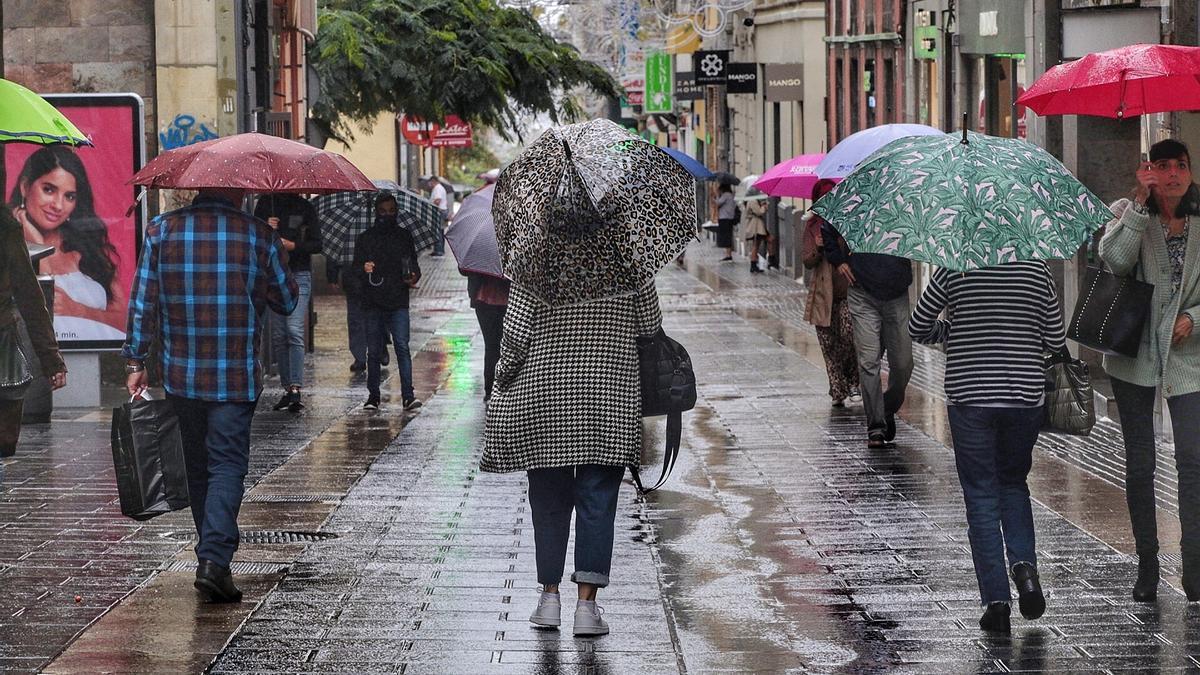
{"type": "Point", "coordinates": [453, 133]}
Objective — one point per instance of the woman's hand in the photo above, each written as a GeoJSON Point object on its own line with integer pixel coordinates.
{"type": "Point", "coordinates": [1183, 329]}
{"type": "Point", "coordinates": [32, 234]}
{"type": "Point", "coordinates": [58, 380]}
{"type": "Point", "coordinates": [1146, 180]}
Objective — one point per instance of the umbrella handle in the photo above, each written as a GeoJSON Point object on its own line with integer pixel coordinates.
{"type": "Point", "coordinates": [964, 128]}
{"type": "Point", "coordinates": [371, 279]}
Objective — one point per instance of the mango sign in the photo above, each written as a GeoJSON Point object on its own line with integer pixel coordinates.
{"type": "Point", "coordinates": [453, 133]}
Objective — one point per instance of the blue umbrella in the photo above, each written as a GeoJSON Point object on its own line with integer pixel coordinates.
{"type": "Point", "coordinates": [693, 167]}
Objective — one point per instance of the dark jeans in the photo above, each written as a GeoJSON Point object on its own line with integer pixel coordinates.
{"type": "Point", "coordinates": [356, 326]}
{"type": "Point", "coordinates": [216, 446]}
{"type": "Point", "coordinates": [993, 449]}
{"type": "Point", "coordinates": [1136, 406]}
{"type": "Point", "coordinates": [439, 244]}
{"type": "Point", "coordinates": [288, 335]}
{"type": "Point", "coordinates": [591, 491]}
{"type": "Point", "coordinates": [491, 325]}
{"type": "Point", "coordinates": [380, 323]}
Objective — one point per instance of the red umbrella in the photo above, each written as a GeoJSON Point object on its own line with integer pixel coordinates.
{"type": "Point", "coordinates": [1124, 82]}
{"type": "Point", "coordinates": [254, 162]}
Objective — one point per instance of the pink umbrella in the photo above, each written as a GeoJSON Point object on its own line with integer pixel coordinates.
{"type": "Point", "coordinates": [1124, 82]}
{"type": "Point", "coordinates": [254, 162]}
{"type": "Point", "coordinates": [793, 178]}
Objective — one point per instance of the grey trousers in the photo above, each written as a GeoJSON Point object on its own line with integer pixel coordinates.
{"type": "Point", "coordinates": [881, 326]}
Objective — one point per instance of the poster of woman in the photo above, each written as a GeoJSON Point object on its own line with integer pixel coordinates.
{"type": "Point", "coordinates": [76, 200]}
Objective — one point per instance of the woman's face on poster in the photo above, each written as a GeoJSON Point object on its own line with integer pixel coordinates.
{"type": "Point", "coordinates": [50, 199]}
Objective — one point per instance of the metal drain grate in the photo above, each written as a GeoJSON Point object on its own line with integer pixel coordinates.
{"type": "Point", "coordinates": [236, 568]}
{"type": "Point", "coordinates": [283, 537]}
{"type": "Point", "coordinates": [307, 499]}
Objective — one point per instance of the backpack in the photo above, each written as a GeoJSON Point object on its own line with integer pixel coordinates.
{"type": "Point", "coordinates": [668, 388]}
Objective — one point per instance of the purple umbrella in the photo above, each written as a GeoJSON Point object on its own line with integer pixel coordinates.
{"type": "Point", "coordinates": [472, 235]}
{"type": "Point", "coordinates": [845, 156]}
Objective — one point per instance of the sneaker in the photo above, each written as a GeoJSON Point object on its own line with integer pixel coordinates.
{"type": "Point", "coordinates": [296, 404]}
{"type": "Point", "coordinates": [855, 395]}
{"type": "Point", "coordinates": [371, 404]}
{"type": "Point", "coordinates": [283, 403]}
{"type": "Point", "coordinates": [411, 404]}
{"type": "Point", "coordinates": [587, 619]}
{"type": "Point", "coordinates": [437, 255]}
{"type": "Point", "coordinates": [549, 611]}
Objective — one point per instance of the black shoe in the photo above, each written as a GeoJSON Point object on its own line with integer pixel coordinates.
{"type": "Point", "coordinates": [876, 441]}
{"type": "Point", "coordinates": [1029, 590]}
{"type": "Point", "coordinates": [889, 434]}
{"type": "Point", "coordinates": [1146, 588]}
{"type": "Point", "coordinates": [411, 404]}
{"type": "Point", "coordinates": [754, 268]}
{"type": "Point", "coordinates": [385, 359]}
{"type": "Point", "coordinates": [727, 258]}
{"type": "Point", "coordinates": [8, 449]}
{"type": "Point", "coordinates": [284, 402]}
{"type": "Point", "coordinates": [358, 367]}
{"type": "Point", "coordinates": [295, 405]}
{"type": "Point", "coordinates": [216, 583]}
{"type": "Point", "coordinates": [372, 403]}
{"type": "Point", "coordinates": [995, 618]}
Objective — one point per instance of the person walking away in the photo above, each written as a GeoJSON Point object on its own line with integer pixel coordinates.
{"type": "Point", "coordinates": [879, 309]}
{"type": "Point", "coordinates": [727, 217]}
{"type": "Point", "coordinates": [1150, 238]}
{"type": "Point", "coordinates": [566, 409]}
{"type": "Point", "coordinates": [756, 228]}
{"type": "Point", "coordinates": [437, 194]}
{"type": "Point", "coordinates": [295, 220]}
{"type": "Point", "coordinates": [212, 256]}
{"type": "Point", "coordinates": [827, 308]}
{"type": "Point", "coordinates": [385, 261]}
{"type": "Point", "coordinates": [21, 295]}
{"type": "Point", "coordinates": [1004, 320]}
{"type": "Point", "coordinates": [489, 299]}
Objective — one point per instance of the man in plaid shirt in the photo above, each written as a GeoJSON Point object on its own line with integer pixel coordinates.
{"type": "Point", "coordinates": [206, 275]}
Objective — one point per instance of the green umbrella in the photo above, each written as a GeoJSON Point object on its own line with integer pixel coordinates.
{"type": "Point", "coordinates": [26, 117]}
{"type": "Point", "coordinates": [963, 203]}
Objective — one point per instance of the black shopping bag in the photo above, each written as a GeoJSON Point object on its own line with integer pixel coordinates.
{"type": "Point", "coordinates": [1111, 313]}
{"type": "Point", "coordinates": [148, 457]}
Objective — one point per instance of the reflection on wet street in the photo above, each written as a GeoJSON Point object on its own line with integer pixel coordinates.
{"type": "Point", "coordinates": [781, 544]}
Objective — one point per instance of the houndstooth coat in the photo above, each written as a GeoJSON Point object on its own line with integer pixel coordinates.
{"type": "Point", "coordinates": [567, 389]}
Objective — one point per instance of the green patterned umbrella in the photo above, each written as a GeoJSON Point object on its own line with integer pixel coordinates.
{"type": "Point", "coordinates": [963, 205]}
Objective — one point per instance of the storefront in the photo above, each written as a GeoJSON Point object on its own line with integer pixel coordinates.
{"type": "Point", "coordinates": [992, 44]}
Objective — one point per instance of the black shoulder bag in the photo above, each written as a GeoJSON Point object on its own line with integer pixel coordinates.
{"type": "Point", "coordinates": [1111, 313]}
{"type": "Point", "coordinates": [668, 388]}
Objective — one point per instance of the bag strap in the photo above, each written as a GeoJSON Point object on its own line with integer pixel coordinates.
{"type": "Point", "coordinates": [670, 453]}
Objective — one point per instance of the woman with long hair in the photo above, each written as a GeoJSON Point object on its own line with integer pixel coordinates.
{"type": "Point", "coordinates": [54, 203]}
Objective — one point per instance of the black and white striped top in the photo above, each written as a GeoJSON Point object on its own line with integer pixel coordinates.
{"type": "Point", "coordinates": [1002, 320]}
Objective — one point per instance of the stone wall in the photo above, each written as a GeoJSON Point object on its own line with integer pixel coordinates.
{"type": "Point", "coordinates": [83, 46]}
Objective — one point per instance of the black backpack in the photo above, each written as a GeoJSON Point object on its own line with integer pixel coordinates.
{"type": "Point", "coordinates": [668, 388]}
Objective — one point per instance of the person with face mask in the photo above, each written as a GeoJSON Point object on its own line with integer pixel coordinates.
{"type": "Point", "coordinates": [385, 261]}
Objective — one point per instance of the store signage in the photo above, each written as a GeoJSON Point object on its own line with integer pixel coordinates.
{"type": "Point", "coordinates": [452, 133]}
{"type": "Point", "coordinates": [743, 78]}
{"type": "Point", "coordinates": [784, 81]}
{"type": "Point", "coordinates": [711, 67]}
{"type": "Point", "coordinates": [660, 83]}
{"type": "Point", "coordinates": [686, 88]}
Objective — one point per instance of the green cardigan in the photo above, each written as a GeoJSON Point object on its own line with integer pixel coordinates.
{"type": "Point", "coordinates": [1135, 244]}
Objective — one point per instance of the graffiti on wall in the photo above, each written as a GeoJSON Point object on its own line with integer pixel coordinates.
{"type": "Point", "coordinates": [184, 130]}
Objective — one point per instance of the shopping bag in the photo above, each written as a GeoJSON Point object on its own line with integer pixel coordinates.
{"type": "Point", "coordinates": [148, 457]}
{"type": "Point", "coordinates": [1112, 312]}
{"type": "Point", "coordinates": [1070, 406]}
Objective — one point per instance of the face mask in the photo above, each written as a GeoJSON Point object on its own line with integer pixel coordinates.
{"type": "Point", "coordinates": [385, 219]}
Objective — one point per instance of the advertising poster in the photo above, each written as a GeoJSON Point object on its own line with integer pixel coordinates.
{"type": "Point", "coordinates": [76, 200]}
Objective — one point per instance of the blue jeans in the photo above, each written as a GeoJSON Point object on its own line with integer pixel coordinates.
{"type": "Point", "coordinates": [216, 447]}
{"type": "Point", "coordinates": [439, 244]}
{"type": "Point", "coordinates": [356, 327]}
{"type": "Point", "coordinates": [993, 449]}
{"type": "Point", "coordinates": [379, 324]}
{"type": "Point", "coordinates": [591, 491]}
{"type": "Point", "coordinates": [287, 335]}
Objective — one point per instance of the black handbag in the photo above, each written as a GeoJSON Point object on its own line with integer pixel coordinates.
{"type": "Point", "coordinates": [15, 375]}
{"type": "Point", "coordinates": [668, 388]}
{"type": "Point", "coordinates": [1070, 405]}
{"type": "Point", "coordinates": [1111, 313]}
{"type": "Point", "coordinates": [148, 458]}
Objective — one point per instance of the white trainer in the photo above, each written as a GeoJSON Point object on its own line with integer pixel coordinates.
{"type": "Point", "coordinates": [588, 620]}
{"type": "Point", "coordinates": [549, 611]}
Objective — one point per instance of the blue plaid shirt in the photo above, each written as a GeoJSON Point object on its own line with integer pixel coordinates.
{"type": "Point", "coordinates": [205, 276]}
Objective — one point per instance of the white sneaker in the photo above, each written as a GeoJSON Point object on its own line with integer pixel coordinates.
{"type": "Point", "coordinates": [587, 619]}
{"type": "Point", "coordinates": [549, 611]}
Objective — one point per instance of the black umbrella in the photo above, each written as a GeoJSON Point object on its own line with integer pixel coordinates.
{"type": "Point", "coordinates": [724, 178]}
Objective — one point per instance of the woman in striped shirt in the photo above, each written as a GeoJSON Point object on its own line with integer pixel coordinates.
{"type": "Point", "coordinates": [1001, 322]}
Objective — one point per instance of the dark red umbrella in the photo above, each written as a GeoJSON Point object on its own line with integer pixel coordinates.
{"type": "Point", "coordinates": [1124, 82]}
{"type": "Point", "coordinates": [254, 162]}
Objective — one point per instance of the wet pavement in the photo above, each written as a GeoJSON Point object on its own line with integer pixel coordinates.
{"type": "Point", "coordinates": [781, 544]}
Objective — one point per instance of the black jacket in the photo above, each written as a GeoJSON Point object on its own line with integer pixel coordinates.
{"type": "Point", "coordinates": [885, 277]}
{"type": "Point", "coordinates": [297, 223]}
{"type": "Point", "coordinates": [391, 248]}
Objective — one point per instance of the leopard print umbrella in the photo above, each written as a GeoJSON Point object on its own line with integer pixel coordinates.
{"type": "Point", "coordinates": [589, 211]}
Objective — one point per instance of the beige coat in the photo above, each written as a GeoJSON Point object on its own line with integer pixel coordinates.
{"type": "Point", "coordinates": [827, 286]}
{"type": "Point", "coordinates": [754, 219]}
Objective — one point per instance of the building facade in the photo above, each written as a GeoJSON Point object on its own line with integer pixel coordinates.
{"type": "Point", "coordinates": [867, 66]}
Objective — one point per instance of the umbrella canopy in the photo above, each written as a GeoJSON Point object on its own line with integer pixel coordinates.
{"type": "Point", "coordinates": [254, 162]}
{"type": "Point", "coordinates": [845, 156]}
{"type": "Point", "coordinates": [345, 215]}
{"type": "Point", "coordinates": [692, 165]}
{"type": "Point", "coordinates": [792, 178]}
{"type": "Point", "coordinates": [963, 205]}
{"type": "Point", "coordinates": [472, 237]}
{"type": "Point", "coordinates": [589, 211]}
{"type": "Point", "coordinates": [26, 117]}
{"type": "Point", "coordinates": [724, 178]}
{"type": "Point", "coordinates": [1124, 82]}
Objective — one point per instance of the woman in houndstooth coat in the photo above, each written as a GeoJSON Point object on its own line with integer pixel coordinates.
{"type": "Point", "coordinates": [566, 408]}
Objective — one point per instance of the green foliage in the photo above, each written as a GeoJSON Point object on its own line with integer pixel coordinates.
{"type": "Point", "coordinates": [431, 58]}
{"type": "Point", "coordinates": [476, 159]}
